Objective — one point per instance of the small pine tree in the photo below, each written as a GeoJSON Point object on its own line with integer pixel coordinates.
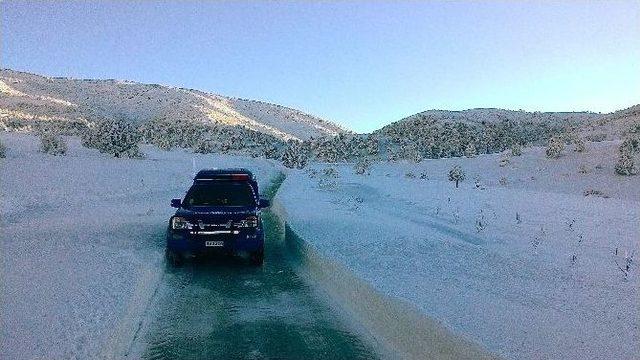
{"type": "Point", "coordinates": [516, 149]}
{"type": "Point", "coordinates": [271, 151]}
{"type": "Point", "coordinates": [294, 157]}
{"type": "Point", "coordinates": [626, 164]}
{"type": "Point", "coordinates": [362, 167]}
{"type": "Point", "coordinates": [115, 137]}
{"type": "Point", "coordinates": [470, 150]}
{"type": "Point", "coordinates": [630, 145]}
{"type": "Point", "coordinates": [579, 145]}
{"type": "Point", "coordinates": [372, 146]}
{"type": "Point", "coordinates": [555, 148]}
{"type": "Point", "coordinates": [51, 143]}
{"type": "Point", "coordinates": [456, 174]}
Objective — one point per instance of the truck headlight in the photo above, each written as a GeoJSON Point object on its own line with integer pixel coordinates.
{"type": "Point", "coordinates": [250, 222]}
{"type": "Point", "coordinates": [180, 223]}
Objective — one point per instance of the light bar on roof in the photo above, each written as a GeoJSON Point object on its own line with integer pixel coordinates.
{"type": "Point", "coordinates": [241, 177]}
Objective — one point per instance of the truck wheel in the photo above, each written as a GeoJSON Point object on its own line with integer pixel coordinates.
{"type": "Point", "coordinates": [257, 257]}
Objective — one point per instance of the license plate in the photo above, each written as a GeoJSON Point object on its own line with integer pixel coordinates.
{"type": "Point", "coordinates": [214, 243]}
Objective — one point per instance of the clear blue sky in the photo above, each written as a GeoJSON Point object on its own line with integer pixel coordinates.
{"type": "Point", "coordinates": [361, 64]}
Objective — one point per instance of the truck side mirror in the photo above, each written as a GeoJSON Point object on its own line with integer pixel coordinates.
{"type": "Point", "coordinates": [264, 203]}
{"type": "Point", "coordinates": [176, 203]}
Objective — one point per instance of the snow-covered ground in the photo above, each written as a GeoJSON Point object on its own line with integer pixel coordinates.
{"type": "Point", "coordinates": [517, 259]}
{"type": "Point", "coordinates": [81, 245]}
{"type": "Point", "coordinates": [526, 259]}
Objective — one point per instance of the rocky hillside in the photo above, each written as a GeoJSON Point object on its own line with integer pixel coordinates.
{"type": "Point", "coordinates": [27, 98]}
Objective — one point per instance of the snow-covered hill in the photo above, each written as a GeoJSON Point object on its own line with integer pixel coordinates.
{"type": "Point", "coordinates": [615, 125]}
{"type": "Point", "coordinates": [490, 115]}
{"type": "Point", "coordinates": [28, 97]}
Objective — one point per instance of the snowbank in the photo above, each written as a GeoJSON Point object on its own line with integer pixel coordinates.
{"type": "Point", "coordinates": [399, 328]}
{"type": "Point", "coordinates": [528, 267]}
{"type": "Point", "coordinates": [82, 244]}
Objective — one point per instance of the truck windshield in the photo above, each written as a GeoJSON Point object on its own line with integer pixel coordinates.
{"type": "Point", "coordinates": [220, 193]}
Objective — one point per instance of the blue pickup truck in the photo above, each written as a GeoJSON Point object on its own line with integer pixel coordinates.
{"type": "Point", "coordinates": [219, 214]}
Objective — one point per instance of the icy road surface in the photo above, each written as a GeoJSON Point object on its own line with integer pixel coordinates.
{"type": "Point", "coordinates": [221, 308]}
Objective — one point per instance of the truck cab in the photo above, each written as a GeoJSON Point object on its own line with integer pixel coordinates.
{"type": "Point", "coordinates": [220, 213]}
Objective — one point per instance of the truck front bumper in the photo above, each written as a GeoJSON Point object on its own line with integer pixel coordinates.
{"type": "Point", "coordinates": [225, 241]}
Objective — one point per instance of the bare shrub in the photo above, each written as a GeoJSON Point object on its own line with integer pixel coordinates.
{"type": "Point", "coordinates": [554, 148]}
{"type": "Point", "coordinates": [503, 181]}
{"type": "Point", "coordinates": [3, 150]}
{"type": "Point", "coordinates": [582, 169]}
{"type": "Point", "coordinates": [476, 181]}
{"type": "Point", "coordinates": [294, 156]}
{"type": "Point", "coordinates": [630, 145]}
{"type": "Point", "coordinates": [626, 165]}
{"type": "Point", "coordinates": [504, 161]}
{"type": "Point", "coordinates": [596, 137]}
{"type": "Point", "coordinates": [480, 222]}
{"type": "Point", "coordinates": [52, 143]}
{"type": "Point", "coordinates": [362, 167]}
{"type": "Point", "coordinates": [116, 137]}
{"type": "Point", "coordinates": [410, 175]}
{"type": "Point", "coordinates": [539, 238]}
{"type": "Point", "coordinates": [516, 150]}
{"type": "Point", "coordinates": [593, 192]}
{"type": "Point", "coordinates": [627, 262]}
{"type": "Point", "coordinates": [579, 145]}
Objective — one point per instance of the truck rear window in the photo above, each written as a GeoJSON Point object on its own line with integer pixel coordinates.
{"type": "Point", "coordinates": [220, 193]}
